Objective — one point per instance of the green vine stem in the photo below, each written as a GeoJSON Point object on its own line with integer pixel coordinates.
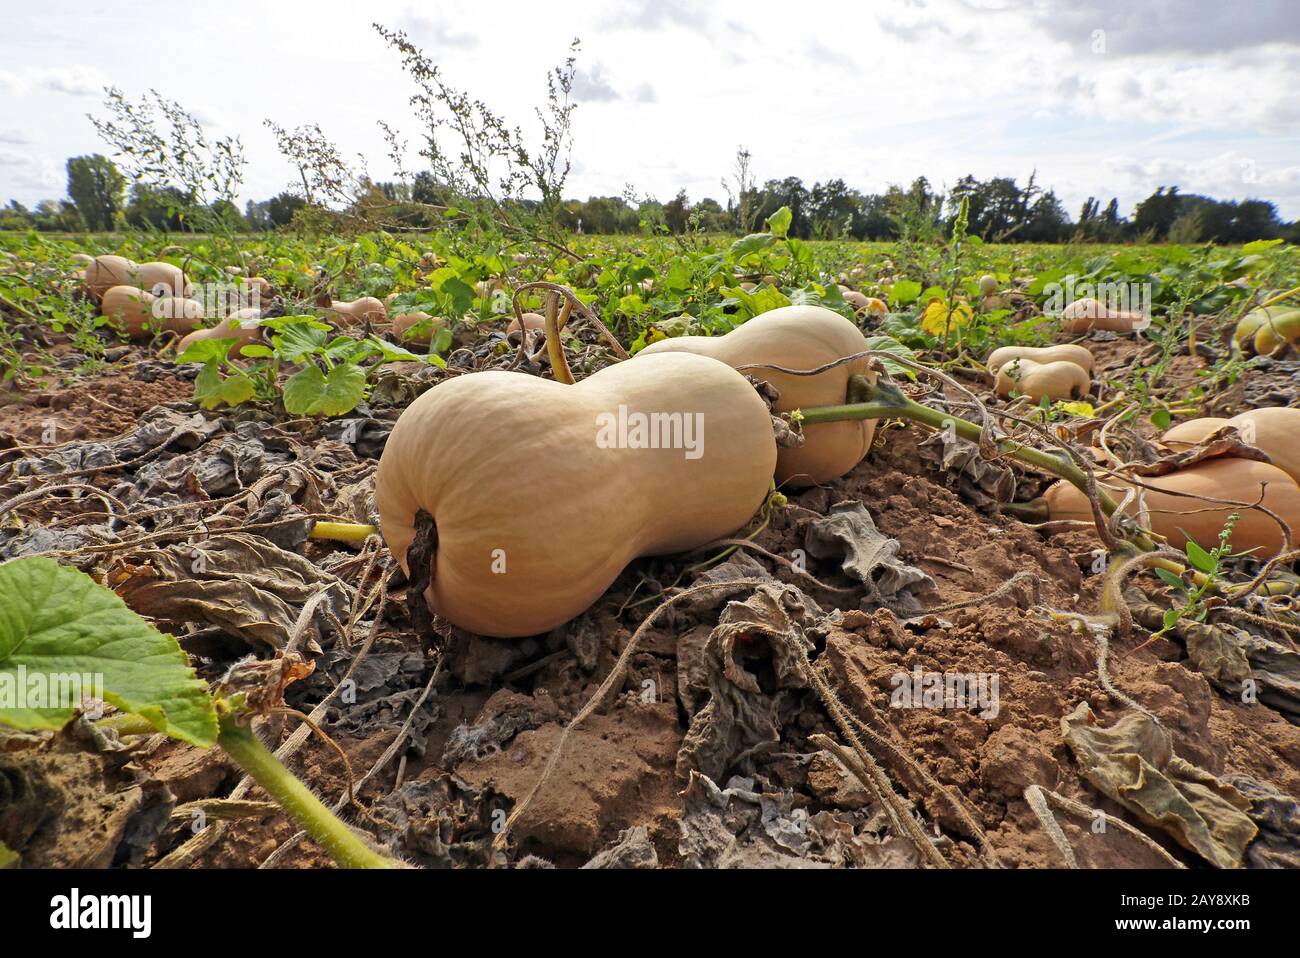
{"type": "Point", "coordinates": [886, 401]}
{"type": "Point", "coordinates": [343, 845]}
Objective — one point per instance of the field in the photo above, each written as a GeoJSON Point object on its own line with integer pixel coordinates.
{"type": "Point", "coordinates": [900, 666]}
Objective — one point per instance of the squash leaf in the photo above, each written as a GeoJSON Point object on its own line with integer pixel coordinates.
{"type": "Point", "coordinates": [311, 392]}
{"type": "Point", "coordinates": [62, 633]}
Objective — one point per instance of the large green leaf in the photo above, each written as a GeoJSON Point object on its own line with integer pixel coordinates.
{"type": "Point", "coordinates": [315, 393]}
{"type": "Point", "coordinates": [59, 627]}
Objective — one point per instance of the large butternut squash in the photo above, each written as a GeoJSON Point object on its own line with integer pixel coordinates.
{"type": "Point", "coordinates": [104, 272]}
{"type": "Point", "coordinates": [1173, 515]}
{"type": "Point", "coordinates": [1088, 314]}
{"type": "Point", "coordinates": [1273, 429]}
{"type": "Point", "coordinates": [1081, 356]}
{"type": "Point", "coordinates": [1056, 380]}
{"type": "Point", "coordinates": [138, 313]}
{"type": "Point", "coordinates": [540, 497]}
{"type": "Point", "coordinates": [797, 337]}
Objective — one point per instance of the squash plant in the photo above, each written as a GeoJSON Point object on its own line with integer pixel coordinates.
{"type": "Point", "coordinates": [333, 378]}
{"type": "Point", "coordinates": [56, 621]}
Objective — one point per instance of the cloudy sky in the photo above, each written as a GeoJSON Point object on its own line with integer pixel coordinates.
{"type": "Point", "coordinates": [1104, 97]}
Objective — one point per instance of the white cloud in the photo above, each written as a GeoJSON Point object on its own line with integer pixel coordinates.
{"type": "Point", "coordinates": [75, 80]}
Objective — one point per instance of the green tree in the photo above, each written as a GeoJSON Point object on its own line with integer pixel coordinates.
{"type": "Point", "coordinates": [97, 187]}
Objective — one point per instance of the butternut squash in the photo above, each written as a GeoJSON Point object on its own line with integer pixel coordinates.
{"type": "Point", "coordinates": [508, 565]}
{"type": "Point", "coordinates": [531, 321]}
{"type": "Point", "coordinates": [1273, 429]}
{"type": "Point", "coordinates": [404, 322]}
{"type": "Point", "coordinates": [138, 313]}
{"type": "Point", "coordinates": [1087, 314]}
{"type": "Point", "coordinates": [1081, 356]}
{"type": "Point", "coordinates": [797, 337]}
{"type": "Point", "coordinates": [1055, 380]}
{"type": "Point", "coordinates": [1249, 326]}
{"type": "Point", "coordinates": [241, 325]}
{"type": "Point", "coordinates": [162, 279]}
{"type": "Point", "coordinates": [862, 303]}
{"type": "Point", "coordinates": [1173, 515]}
{"type": "Point", "coordinates": [1276, 334]}
{"type": "Point", "coordinates": [104, 272]}
{"type": "Point", "coordinates": [366, 309]}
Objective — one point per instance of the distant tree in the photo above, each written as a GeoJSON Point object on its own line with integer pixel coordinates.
{"type": "Point", "coordinates": [51, 216]}
{"type": "Point", "coordinates": [1156, 214]}
{"type": "Point", "coordinates": [15, 216]}
{"type": "Point", "coordinates": [97, 187]}
{"type": "Point", "coordinates": [676, 212]}
{"type": "Point", "coordinates": [159, 208]}
{"type": "Point", "coordinates": [281, 207]}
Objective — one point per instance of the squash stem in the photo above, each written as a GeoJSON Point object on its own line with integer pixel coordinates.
{"type": "Point", "coordinates": [887, 401]}
{"type": "Point", "coordinates": [342, 531]}
{"type": "Point", "coordinates": [342, 844]}
{"type": "Point", "coordinates": [555, 348]}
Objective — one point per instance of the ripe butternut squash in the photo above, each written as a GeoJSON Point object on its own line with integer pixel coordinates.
{"type": "Point", "coordinates": [162, 279]}
{"type": "Point", "coordinates": [1272, 429]}
{"type": "Point", "coordinates": [366, 309]}
{"type": "Point", "coordinates": [1087, 314]}
{"type": "Point", "coordinates": [1081, 356]}
{"type": "Point", "coordinates": [862, 303]}
{"type": "Point", "coordinates": [104, 272]}
{"type": "Point", "coordinates": [531, 321]}
{"type": "Point", "coordinates": [797, 337]}
{"type": "Point", "coordinates": [1276, 334]}
{"type": "Point", "coordinates": [1173, 515]}
{"type": "Point", "coordinates": [402, 327]}
{"type": "Point", "coordinates": [1055, 380]}
{"type": "Point", "coordinates": [1249, 326]}
{"type": "Point", "coordinates": [138, 313]}
{"type": "Point", "coordinates": [508, 566]}
{"type": "Point", "coordinates": [241, 325]}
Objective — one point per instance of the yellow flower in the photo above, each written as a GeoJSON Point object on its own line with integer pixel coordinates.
{"type": "Point", "coordinates": [938, 317]}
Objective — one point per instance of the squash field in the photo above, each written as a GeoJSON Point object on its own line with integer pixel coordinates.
{"type": "Point", "coordinates": [417, 550]}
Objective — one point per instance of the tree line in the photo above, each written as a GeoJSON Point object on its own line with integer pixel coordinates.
{"type": "Point", "coordinates": [1000, 210]}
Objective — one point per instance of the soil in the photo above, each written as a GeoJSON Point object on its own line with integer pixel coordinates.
{"type": "Point", "coordinates": [498, 708]}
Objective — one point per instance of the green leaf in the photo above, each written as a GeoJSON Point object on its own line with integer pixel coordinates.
{"type": "Point", "coordinates": [8, 857]}
{"type": "Point", "coordinates": [1171, 580]}
{"type": "Point", "coordinates": [1161, 419]}
{"type": "Point", "coordinates": [779, 222]}
{"type": "Point", "coordinates": [295, 337]}
{"type": "Point", "coordinates": [889, 344]}
{"type": "Point", "coordinates": [903, 292]}
{"type": "Point", "coordinates": [1171, 617]}
{"type": "Point", "coordinates": [1201, 559]}
{"type": "Point", "coordinates": [314, 393]}
{"type": "Point", "coordinates": [1259, 246]}
{"type": "Point", "coordinates": [206, 351]}
{"type": "Point", "coordinates": [58, 625]}
{"type": "Point", "coordinates": [751, 244]}
{"type": "Point", "coordinates": [236, 388]}
{"type": "Point", "coordinates": [207, 386]}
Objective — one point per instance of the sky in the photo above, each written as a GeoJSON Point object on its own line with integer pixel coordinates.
{"type": "Point", "coordinates": [1102, 97]}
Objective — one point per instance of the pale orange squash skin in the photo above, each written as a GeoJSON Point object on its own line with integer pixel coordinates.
{"type": "Point", "coordinates": [1277, 432]}
{"type": "Point", "coordinates": [140, 314]}
{"type": "Point", "coordinates": [1172, 515]}
{"type": "Point", "coordinates": [241, 325]}
{"type": "Point", "coordinates": [1055, 380]}
{"type": "Point", "coordinates": [162, 279]}
{"type": "Point", "coordinates": [797, 337]}
{"type": "Point", "coordinates": [359, 311]}
{"type": "Point", "coordinates": [1081, 356]}
{"type": "Point", "coordinates": [104, 272]}
{"type": "Point", "coordinates": [531, 321]}
{"type": "Point", "coordinates": [510, 462]}
{"type": "Point", "coordinates": [1087, 314]}
{"type": "Point", "coordinates": [406, 320]}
